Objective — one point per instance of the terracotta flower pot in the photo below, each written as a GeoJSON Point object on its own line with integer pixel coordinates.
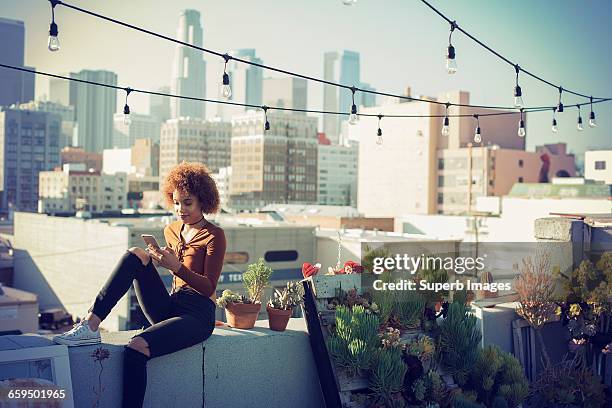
{"type": "Point", "coordinates": [278, 319]}
{"type": "Point", "coordinates": [242, 315]}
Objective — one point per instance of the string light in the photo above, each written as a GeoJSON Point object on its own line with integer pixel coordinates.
{"type": "Point", "coordinates": [579, 123]}
{"type": "Point", "coordinates": [555, 128]}
{"type": "Point", "coordinates": [560, 105]}
{"type": "Point", "coordinates": [445, 123]}
{"type": "Point", "coordinates": [53, 43]}
{"type": "Point", "coordinates": [266, 124]}
{"type": "Point", "coordinates": [451, 61]}
{"type": "Point", "coordinates": [379, 137]}
{"type": "Point", "coordinates": [353, 118]}
{"type": "Point", "coordinates": [521, 130]}
{"type": "Point", "coordinates": [127, 120]}
{"type": "Point", "coordinates": [477, 135]}
{"type": "Point", "coordinates": [518, 93]}
{"type": "Point", "coordinates": [323, 81]}
{"type": "Point", "coordinates": [592, 121]}
{"type": "Point", "coordinates": [226, 89]}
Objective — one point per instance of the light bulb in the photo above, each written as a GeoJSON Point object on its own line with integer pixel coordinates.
{"type": "Point", "coordinates": [267, 125]}
{"type": "Point", "coordinates": [226, 89]}
{"type": "Point", "coordinates": [592, 121]}
{"type": "Point", "coordinates": [53, 44]}
{"type": "Point", "coordinates": [127, 120]}
{"type": "Point", "coordinates": [379, 137]}
{"type": "Point", "coordinates": [560, 107]}
{"type": "Point", "coordinates": [451, 62]}
{"type": "Point", "coordinates": [555, 128]}
{"type": "Point", "coordinates": [445, 127]}
{"type": "Point", "coordinates": [518, 97]}
{"type": "Point", "coordinates": [579, 124]}
{"type": "Point", "coordinates": [477, 135]}
{"type": "Point", "coordinates": [353, 118]}
{"type": "Point", "coordinates": [521, 129]}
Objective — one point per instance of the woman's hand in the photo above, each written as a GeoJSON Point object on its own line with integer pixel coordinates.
{"type": "Point", "coordinates": [165, 258]}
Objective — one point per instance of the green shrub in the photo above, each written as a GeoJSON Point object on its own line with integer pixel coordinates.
{"type": "Point", "coordinates": [498, 374]}
{"type": "Point", "coordinates": [459, 340]}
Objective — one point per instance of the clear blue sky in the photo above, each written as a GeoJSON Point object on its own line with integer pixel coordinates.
{"type": "Point", "coordinates": [401, 44]}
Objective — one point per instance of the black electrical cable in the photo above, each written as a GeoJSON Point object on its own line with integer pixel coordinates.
{"type": "Point", "coordinates": [145, 91]}
{"type": "Point", "coordinates": [294, 74]}
{"type": "Point", "coordinates": [497, 54]}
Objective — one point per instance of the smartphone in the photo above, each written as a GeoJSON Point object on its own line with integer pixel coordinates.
{"type": "Point", "coordinates": [150, 240]}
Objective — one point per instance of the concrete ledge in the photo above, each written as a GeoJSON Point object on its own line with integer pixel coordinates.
{"type": "Point", "coordinates": [556, 228]}
{"type": "Point", "coordinates": [232, 368]}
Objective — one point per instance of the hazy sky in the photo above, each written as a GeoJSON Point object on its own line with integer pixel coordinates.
{"type": "Point", "coordinates": [401, 43]}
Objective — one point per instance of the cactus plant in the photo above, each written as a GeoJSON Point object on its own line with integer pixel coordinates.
{"type": "Point", "coordinates": [288, 298]}
{"type": "Point", "coordinates": [256, 278]}
{"type": "Point", "coordinates": [386, 374]}
{"type": "Point", "coordinates": [354, 338]}
{"type": "Point", "coordinates": [409, 310]}
{"type": "Point", "coordinates": [228, 297]}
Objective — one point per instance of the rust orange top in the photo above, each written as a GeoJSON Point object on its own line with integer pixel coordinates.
{"type": "Point", "coordinates": [201, 257]}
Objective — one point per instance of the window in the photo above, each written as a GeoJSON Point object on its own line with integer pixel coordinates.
{"type": "Point", "coordinates": [600, 165]}
{"type": "Point", "coordinates": [236, 258]}
{"type": "Point", "coordinates": [520, 163]}
{"type": "Point", "coordinates": [520, 179]}
{"type": "Point", "coordinates": [281, 256]}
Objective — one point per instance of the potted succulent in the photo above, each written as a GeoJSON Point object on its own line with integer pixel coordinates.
{"type": "Point", "coordinates": [242, 311]}
{"type": "Point", "coordinates": [280, 307]}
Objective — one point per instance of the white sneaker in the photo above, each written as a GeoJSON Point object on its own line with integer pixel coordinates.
{"type": "Point", "coordinates": [79, 335]}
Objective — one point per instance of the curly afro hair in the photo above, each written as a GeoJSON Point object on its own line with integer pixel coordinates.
{"type": "Point", "coordinates": [195, 179]}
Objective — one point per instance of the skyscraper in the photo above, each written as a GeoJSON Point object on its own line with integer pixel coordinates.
{"type": "Point", "coordinates": [341, 67]}
{"type": "Point", "coordinates": [246, 82]}
{"type": "Point", "coordinates": [159, 106]}
{"type": "Point", "coordinates": [29, 144]}
{"type": "Point", "coordinates": [15, 86]}
{"type": "Point", "coordinates": [94, 109]}
{"type": "Point", "coordinates": [287, 92]}
{"type": "Point", "coordinates": [189, 69]}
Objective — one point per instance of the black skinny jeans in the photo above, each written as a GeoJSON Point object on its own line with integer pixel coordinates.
{"type": "Point", "coordinates": [179, 320]}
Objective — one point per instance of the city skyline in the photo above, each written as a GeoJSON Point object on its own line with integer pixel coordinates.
{"type": "Point", "coordinates": [383, 66]}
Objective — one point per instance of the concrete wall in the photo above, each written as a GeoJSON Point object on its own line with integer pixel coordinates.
{"type": "Point", "coordinates": [232, 368]}
{"type": "Point", "coordinates": [67, 260]}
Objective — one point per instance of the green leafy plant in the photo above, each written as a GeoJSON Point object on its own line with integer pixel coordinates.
{"type": "Point", "coordinates": [291, 296]}
{"type": "Point", "coordinates": [354, 338]}
{"type": "Point", "coordinates": [458, 342]}
{"type": "Point", "coordinates": [422, 347]}
{"type": "Point", "coordinates": [498, 375]}
{"type": "Point", "coordinates": [256, 278]}
{"type": "Point", "coordinates": [386, 374]}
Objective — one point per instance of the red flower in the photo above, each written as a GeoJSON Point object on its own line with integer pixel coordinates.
{"type": "Point", "coordinates": [309, 269]}
{"type": "Point", "coordinates": [352, 267]}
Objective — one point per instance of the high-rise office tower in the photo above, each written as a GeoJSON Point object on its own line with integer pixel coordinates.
{"type": "Point", "coordinates": [15, 86]}
{"type": "Point", "coordinates": [285, 92]}
{"type": "Point", "coordinates": [159, 106]}
{"type": "Point", "coordinates": [29, 144]}
{"type": "Point", "coordinates": [189, 69]}
{"type": "Point", "coordinates": [340, 67]}
{"type": "Point", "coordinates": [94, 109]}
